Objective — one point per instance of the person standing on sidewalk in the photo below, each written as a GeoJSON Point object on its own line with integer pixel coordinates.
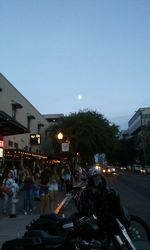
{"type": "Point", "coordinates": [44, 191]}
{"type": "Point", "coordinates": [10, 183]}
{"type": "Point", "coordinates": [68, 178]}
{"type": "Point", "coordinates": [53, 188]}
{"type": "Point", "coordinates": [61, 178]}
{"type": "Point", "coordinates": [28, 186]}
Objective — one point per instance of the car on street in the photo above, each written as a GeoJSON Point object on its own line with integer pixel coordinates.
{"type": "Point", "coordinates": [137, 167]}
{"type": "Point", "coordinates": [145, 169]}
{"type": "Point", "coordinates": [108, 170]}
{"type": "Point", "coordinates": [123, 168]}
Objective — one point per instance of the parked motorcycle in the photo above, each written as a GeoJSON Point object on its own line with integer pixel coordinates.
{"type": "Point", "coordinates": [112, 216]}
{"type": "Point", "coordinates": [80, 234]}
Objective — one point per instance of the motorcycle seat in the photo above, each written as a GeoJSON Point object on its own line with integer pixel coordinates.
{"type": "Point", "coordinates": [59, 219]}
{"type": "Point", "coordinates": [46, 238]}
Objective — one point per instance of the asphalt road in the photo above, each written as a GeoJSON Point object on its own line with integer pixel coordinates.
{"type": "Point", "coordinates": [134, 190]}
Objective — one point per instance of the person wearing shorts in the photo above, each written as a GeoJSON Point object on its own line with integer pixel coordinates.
{"type": "Point", "coordinates": [44, 191]}
{"type": "Point", "coordinates": [53, 189]}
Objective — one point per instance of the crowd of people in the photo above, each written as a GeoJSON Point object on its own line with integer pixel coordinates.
{"type": "Point", "coordinates": [41, 183]}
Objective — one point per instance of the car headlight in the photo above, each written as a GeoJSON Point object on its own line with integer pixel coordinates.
{"type": "Point", "coordinates": [143, 171]}
{"type": "Point", "coordinates": [98, 167]}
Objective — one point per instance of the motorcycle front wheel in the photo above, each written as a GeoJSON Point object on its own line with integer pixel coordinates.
{"type": "Point", "coordinates": [138, 229]}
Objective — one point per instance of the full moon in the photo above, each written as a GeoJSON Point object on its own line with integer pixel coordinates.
{"type": "Point", "coordinates": [79, 97]}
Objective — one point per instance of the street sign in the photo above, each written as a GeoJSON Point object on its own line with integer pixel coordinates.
{"type": "Point", "coordinates": [65, 147]}
{"type": "Point", "coordinates": [1, 152]}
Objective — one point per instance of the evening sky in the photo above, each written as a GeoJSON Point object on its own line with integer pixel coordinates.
{"type": "Point", "coordinates": [54, 50]}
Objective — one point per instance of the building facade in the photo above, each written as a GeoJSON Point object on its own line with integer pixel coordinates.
{"type": "Point", "coordinates": [139, 120]}
{"type": "Point", "coordinates": [139, 126]}
{"type": "Point", "coordinates": [22, 127]}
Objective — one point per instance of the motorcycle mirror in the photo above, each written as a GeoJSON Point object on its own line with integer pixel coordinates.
{"type": "Point", "coordinates": [94, 217]}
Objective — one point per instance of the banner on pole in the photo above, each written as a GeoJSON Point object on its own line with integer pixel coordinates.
{"type": "Point", "coordinates": [99, 158]}
{"type": "Point", "coordinates": [65, 147]}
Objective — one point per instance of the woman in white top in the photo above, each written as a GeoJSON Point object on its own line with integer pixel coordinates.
{"type": "Point", "coordinates": [10, 183]}
{"type": "Point", "coordinates": [53, 189]}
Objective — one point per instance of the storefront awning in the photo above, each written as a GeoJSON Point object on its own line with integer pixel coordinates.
{"type": "Point", "coordinates": [9, 126]}
{"type": "Point", "coordinates": [23, 153]}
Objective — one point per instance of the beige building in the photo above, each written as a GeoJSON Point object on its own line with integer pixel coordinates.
{"type": "Point", "coordinates": [21, 124]}
{"type": "Point", "coordinates": [139, 120]}
{"type": "Point", "coordinates": [139, 126]}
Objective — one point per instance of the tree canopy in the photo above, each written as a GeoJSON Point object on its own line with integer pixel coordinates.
{"type": "Point", "coordinates": [88, 133]}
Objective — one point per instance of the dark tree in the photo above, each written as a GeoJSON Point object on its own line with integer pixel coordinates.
{"type": "Point", "coordinates": [127, 152]}
{"type": "Point", "coordinates": [88, 133]}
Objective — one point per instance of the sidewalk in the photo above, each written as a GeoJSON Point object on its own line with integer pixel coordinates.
{"type": "Point", "coordinates": [11, 228]}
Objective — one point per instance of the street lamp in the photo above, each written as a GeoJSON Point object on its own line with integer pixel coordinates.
{"type": "Point", "coordinates": [60, 136]}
